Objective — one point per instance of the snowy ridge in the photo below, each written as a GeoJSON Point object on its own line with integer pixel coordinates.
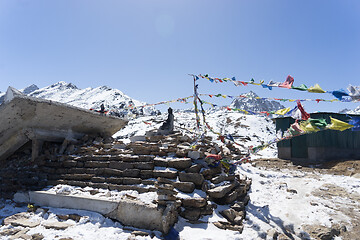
{"type": "Point", "coordinates": [87, 98]}
{"type": "Point", "coordinates": [355, 111]}
{"type": "Point", "coordinates": [252, 103]}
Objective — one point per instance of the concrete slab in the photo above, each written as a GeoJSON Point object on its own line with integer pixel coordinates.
{"type": "Point", "coordinates": [24, 118]}
{"type": "Point", "coordinates": [128, 211]}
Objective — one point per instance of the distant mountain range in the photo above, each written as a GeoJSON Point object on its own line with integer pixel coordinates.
{"type": "Point", "coordinates": [119, 103]}
{"type": "Point", "coordinates": [89, 98]}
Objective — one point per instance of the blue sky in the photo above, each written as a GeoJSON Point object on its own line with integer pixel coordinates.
{"type": "Point", "coordinates": [146, 48]}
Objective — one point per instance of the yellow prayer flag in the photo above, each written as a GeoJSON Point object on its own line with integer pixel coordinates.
{"type": "Point", "coordinates": [339, 125]}
{"type": "Point", "coordinates": [282, 111]}
{"type": "Point", "coordinates": [307, 127]}
{"type": "Point", "coordinates": [316, 89]}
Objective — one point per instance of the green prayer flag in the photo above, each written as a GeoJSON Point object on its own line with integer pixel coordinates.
{"type": "Point", "coordinates": [302, 87]}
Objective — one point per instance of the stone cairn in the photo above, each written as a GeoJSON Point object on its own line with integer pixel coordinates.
{"type": "Point", "coordinates": [164, 164]}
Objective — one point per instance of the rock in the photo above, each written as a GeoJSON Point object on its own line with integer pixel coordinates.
{"type": "Point", "coordinates": [131, 181]}
{"type": "Point", "coordinates": [180, 163]}
{"type": "Point", "coordinates": [207, 210]}
{"type": "Point", "coordinates": [272, 234]}
{"type": "Point", "coordinates": [194, 155]}
{"type": "Point", "coordinates": [56, 225]}
{"type": "Point", "coordinates": [193, 202]}
{"type": "Point", "coordinates": [229, 214]}
{"type": "Point", "coordinates": [134, 139]}
{"type": "Point", "coordinates": [192, 214]}
{"type": "Point", "coordinates": [323, 233]}
{"type": "Point", "coordinates": [75, 217]}
{"type": "Point", "coordinates": [165, 174]}
{"type": "Point", "coordinates": [186, 187]}
{"type": "Point", "coordinates": [196, 178]}
{"type": "Point", "coordinates": [194, 168]}
{"type": "Point", "coordinates": [228, 226]}
{"type": "Point", "coordinates": [160, 162]}
{"type": "Point", "coordinates": [222, 178]}
{"type": "Point", "coordinates": [291, 191]}
{"type": "Point", "coordinates": [356, 175]}
{"type": "Point", "coordinates": [37, 236]}
{"type": "Point", "coordinates": [21, 219]}
{"type": "Point", "coordinates": [211, 172]}
{"type": "Point", "coordinates": [9, 231]}
{"type": "Point", "coordinates": [238, 206]}
{"type": "Point", "coordinates": [140, 233]}
{"type": "Point", "coordinates": [182, 152]}
{"type": "Point", "coordinates": [21, 235]}
{"type": "Point", "coordinates": [221, 191]}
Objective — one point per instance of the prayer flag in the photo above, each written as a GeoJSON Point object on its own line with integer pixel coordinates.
{"type": "Point", "coordinates": [339, 125]}
{"type": "Point", "coordinates": [316, 89]}
{"type": "Point", "coordinates": [288, 82]}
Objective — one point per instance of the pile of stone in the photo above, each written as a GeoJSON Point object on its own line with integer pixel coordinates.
{"type": "Point", "coordinates": [168, 165]}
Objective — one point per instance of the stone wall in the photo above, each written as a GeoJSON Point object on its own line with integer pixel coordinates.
{"type": "Point", "coordinates": [142, 166]}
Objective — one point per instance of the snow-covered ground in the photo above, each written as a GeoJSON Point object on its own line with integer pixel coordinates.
{"type": "Point", "coordinates": [284, 200]}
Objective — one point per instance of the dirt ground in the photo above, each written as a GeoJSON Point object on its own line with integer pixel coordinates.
{"type": "Point", "coordinates": [346, 168]}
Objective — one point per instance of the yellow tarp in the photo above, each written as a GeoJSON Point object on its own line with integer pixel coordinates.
{"type": "Point", "coordinates": [339, 125]}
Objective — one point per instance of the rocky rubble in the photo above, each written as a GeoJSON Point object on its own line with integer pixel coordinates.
{"type": "Point", "coordinates": [168, 165]}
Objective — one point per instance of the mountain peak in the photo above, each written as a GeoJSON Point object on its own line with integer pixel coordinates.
{"type": "Point", "coordinates": [251, 94]}
{"type": "Point", "coordinates": [64, 85]}
{"type": "Point", "coordinates": [251, 102]}
{"type": "Point", "coordinates": [29, 89]}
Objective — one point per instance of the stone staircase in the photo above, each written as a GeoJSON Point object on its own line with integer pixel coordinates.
{"type": "Point", "coordinates": [155, 164]}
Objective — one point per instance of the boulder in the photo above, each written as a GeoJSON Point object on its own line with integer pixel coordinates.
{"type": "Point", "coordinates": [221, 191]}
{"type": "Point", "coordinates": [186, 187]}
{"type": "Point", "coordinates": [180, 163]}
{"type": "Point", "coordinates": [196, 178]}
{"type": "Point", "coordinates": [193, 202]}
{"type": "Point", "coordinates": [191, 214]}
{"type": "Point", "coordinates": [194, 168]}
{"type": "Point", "coordinates": [222, 178]}
{"type": "Point", "coordinates": [211, 172]}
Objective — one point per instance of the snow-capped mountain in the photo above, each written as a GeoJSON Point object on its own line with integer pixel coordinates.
{"type": "Point", "coordinates": [252, 103]}
{"type": "Point", "coordinates": [89, 98]}
{"type": "Point", "coordinates": [348, 111]}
